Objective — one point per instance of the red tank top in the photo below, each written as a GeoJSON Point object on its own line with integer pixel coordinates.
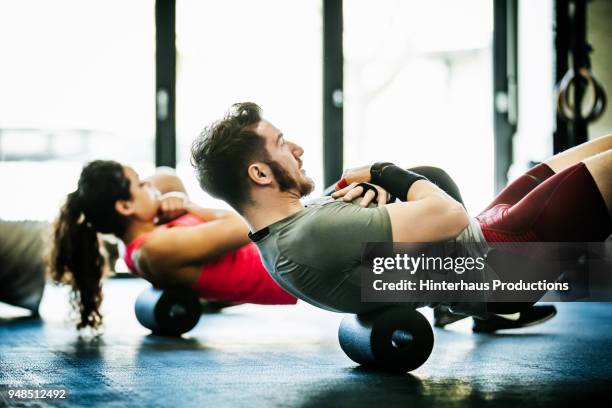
{"type": "Point", "coordinates": [238, 276]}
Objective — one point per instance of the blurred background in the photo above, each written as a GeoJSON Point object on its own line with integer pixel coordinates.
{"type": "Point", "coordinates": [471, 86]}
{"type": "Point", "coordinates": [413, 82]}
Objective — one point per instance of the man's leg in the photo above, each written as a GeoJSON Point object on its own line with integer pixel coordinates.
{"type": "Point", "coordinates": [570, 157]}
{"type": "Point", "coordinates": [440, 178]}
{"type": "Point", "coordinates": [600, 167]}
{"type": "Point", "coordinates": [523, 185]}
{"type": "Point", "coordinates": [530, 314]}
{"type": "Point", "coordinates": [567, 207]}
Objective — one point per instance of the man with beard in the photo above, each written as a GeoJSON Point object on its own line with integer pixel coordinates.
{"type": "Point", "coordinates": [312, 252]}
{"type": "Point", "coordinates": [315, 251]}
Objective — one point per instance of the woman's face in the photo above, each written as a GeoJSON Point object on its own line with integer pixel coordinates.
{"type": "Point", "coordinates": [145, 197]}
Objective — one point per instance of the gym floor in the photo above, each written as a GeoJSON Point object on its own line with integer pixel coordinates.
{"type": "Point", "coordinates": [289, 356]}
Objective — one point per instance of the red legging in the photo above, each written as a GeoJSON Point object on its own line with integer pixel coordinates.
{"type": "Point", "coordinates": [547, 207]}
{"type": "Point", "coordinates": [541, 206]}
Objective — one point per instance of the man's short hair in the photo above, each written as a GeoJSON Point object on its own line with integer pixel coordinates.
{"type": "Point", "coordinates": [223, 152]}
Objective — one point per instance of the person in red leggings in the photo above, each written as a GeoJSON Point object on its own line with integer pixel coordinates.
{"type": "Point", "coordinates": [315, 251]}
{"type": "Point", "coordinates": [530, 208]}
{"type": "Point", "coordinates": [170, 241]}
{"type": "Point", "coordinates": [545, 206]}
{"type": "Point", "coordinates": [567, 198]}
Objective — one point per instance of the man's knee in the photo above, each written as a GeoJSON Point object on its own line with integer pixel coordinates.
{"type": "Point", "coordinates": [440, 178]}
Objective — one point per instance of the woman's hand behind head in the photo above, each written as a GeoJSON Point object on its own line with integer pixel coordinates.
{"type": "Point", "coordinates": [172, 205]}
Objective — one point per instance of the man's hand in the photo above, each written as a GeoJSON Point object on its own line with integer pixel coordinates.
{"type": "Point", "coordinates": [352, 191]}
{"type": "Point", "coordinates": [357, 175]}
{"type": "Point", "coordinates": [172, 205]}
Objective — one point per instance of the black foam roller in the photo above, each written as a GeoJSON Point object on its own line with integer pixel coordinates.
{"type": "Point", "coordinates": [170, 312]}
{"type": "Point", "coordinates": [395, 339]}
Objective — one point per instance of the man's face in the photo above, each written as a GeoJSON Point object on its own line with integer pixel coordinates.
{"type": "Point", "coordinates": [285, 160]}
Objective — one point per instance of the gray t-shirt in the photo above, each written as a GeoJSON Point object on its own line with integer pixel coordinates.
{"type": "Point", "coordinates": [315, 254]}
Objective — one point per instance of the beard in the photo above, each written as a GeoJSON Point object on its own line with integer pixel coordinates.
{"type": "Point", "coordinates": [303, 185]}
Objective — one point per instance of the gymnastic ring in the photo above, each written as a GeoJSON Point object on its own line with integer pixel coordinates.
{"type": "Point", "coordinates": [564, 106]}
{"type": "Point", "coordinates": [366, 187]}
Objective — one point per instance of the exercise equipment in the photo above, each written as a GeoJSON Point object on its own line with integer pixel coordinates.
{"type": "Point", "coordinates": [169, 312]}
{"type": "Point", "coordinates": [396, 339]}
{"type": "Point", "coordinates": [574, 76]}
{"type": "Point", "coordinates": [22, 263]}
{"type": "Point", "coordinates": [565, 104]}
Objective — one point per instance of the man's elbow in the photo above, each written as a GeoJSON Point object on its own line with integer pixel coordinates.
{"type": "Point", "coordinates": [458, 220]}
{"type": "Point", "coordinates": [450, 216]}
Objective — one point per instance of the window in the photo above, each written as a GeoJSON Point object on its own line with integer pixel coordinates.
{"type": "Point", "coordinates": [418, 88]}
{"type": "Point", "coordinates": [268, 52]}
{"type": "Point", "coordinates": [78, 83]}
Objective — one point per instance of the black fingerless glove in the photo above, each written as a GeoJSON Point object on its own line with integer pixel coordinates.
{"type": "Point", "coordinates": [367, 187]}
{"type": "Point", "coordinates": [394, 179]}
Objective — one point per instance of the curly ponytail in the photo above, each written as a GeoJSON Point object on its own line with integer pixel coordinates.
{"type": "Point", "coordinates": [76, 260]}
{"type": "Point", "coordinates": [75, 257]}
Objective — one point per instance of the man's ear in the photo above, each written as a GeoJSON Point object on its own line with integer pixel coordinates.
{"type": "Point", "coordinates": [124, 207]}
{"type": "Point", "coordinates": [260, 174]}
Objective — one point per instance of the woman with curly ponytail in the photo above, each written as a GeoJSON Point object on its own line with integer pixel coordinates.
{"type": "Point", "coordinates": [170, 241]}
{"type": "Point", "coordinates": [75, 255]}
{"type": "Point", "coordinates": [77, 261]}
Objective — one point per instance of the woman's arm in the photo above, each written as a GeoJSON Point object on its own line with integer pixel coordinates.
{"type": "Point", "coordinates": [172, 251]}
{"type": "Point", "coordinates": [208, 214]}
{"type": "Point", "coordinates": [174, 196]}
{"type": "Point", "coordinates": [166, 181]}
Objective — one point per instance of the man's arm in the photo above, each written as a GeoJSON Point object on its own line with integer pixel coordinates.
{"type": "Point", "coordinates": [429, 215]}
